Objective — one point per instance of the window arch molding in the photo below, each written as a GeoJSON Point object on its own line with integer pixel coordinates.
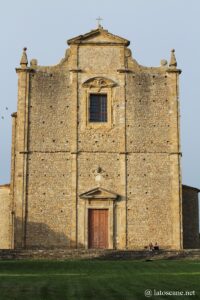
{"type": "Point", "coordinates": [98, 86]}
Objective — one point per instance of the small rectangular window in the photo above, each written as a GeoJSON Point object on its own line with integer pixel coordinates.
{"type": "Point", "coordinates": [98, 108]}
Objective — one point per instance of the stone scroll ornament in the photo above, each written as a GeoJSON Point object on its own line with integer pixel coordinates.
{"type": "Point", "coordinates": [99, 83]}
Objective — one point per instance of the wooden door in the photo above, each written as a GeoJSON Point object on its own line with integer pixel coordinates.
{"type": "Point", "coordinates": [98, 228]}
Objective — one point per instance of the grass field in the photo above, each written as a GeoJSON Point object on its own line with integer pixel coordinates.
{"type": "Point", "coordinates": [99, 280]}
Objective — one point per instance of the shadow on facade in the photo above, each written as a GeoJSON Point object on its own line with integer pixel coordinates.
{"type": "Point", "coordinates": [38, 235]}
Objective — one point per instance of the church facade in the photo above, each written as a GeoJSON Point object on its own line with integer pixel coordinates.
{"type": "Point", "coordinates": [96, 152]}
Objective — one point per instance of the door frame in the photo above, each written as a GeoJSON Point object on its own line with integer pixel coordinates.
{"type": "Point", "coordinates": [100, 204]}
{"type": "Point", "coordinates": [91, 228]}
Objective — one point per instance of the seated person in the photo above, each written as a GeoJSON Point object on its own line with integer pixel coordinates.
{"type": "Point", "coordinates": [156, 247]}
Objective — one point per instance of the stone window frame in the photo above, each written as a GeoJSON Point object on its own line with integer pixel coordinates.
{"type": "Point", "coordinates": [98, 85]}
{"type": "Point", "coordinates": [108, 123]}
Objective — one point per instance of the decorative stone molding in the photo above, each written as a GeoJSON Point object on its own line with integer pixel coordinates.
{"type": "Point", "coordinates": [99, 193]}
{"type": "Point", "coordinates": [99, 83]}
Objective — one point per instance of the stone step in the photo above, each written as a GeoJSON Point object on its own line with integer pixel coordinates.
{"type": "Point", "coordinates": [97, 254]}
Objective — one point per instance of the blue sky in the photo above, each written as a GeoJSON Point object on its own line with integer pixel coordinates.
{"type": "Point", "coordinates": [154, 27]}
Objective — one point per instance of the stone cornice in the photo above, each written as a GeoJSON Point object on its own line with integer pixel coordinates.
{"type": "Point", "coordinates": [174, 70]}
{"type": "Point", "coordinates": [20, 70]}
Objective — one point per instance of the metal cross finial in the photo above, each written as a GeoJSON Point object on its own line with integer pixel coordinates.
{"type": "Point", "coordinates": [99, 19]}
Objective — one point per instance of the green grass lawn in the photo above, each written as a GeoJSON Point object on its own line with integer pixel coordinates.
{"type": "Point", "coordinates": [95, 279]}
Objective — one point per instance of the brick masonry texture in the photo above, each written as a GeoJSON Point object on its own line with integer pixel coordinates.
{"type": "Point", "coordinates": [58, 155]}
{"type": "Point", "coordinates": [6, 217]}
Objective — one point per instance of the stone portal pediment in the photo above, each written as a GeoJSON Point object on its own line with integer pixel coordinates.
{"type": "Point", "coordinates": [99, 193]}
{"type": "Point", "coordinates": [98, 36]}
{"type": "Point", "coordinates": [99, 82]}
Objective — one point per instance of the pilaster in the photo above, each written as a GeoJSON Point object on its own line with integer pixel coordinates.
{"type": "Point", "coordinates": [21, 155]}
{"type": "Point", "coordinates": [175, 156]}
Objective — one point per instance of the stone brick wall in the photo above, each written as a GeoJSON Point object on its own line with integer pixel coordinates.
{"type": "Point", "coordinates": [150, 126]}
{"type": "Point", "coordinates": [191, 238]}
{"type": "Point", "coordinates": [6, 217]}
{"type": "Point", "coordinates": [58, 153]}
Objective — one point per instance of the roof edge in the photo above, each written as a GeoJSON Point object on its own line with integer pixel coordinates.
{"type": "Point", "coordinates": [191, 188]}
{"type": "Point", "coordinates": [80, 39]}
{"type": "Point", "coordinates": [6, 185]}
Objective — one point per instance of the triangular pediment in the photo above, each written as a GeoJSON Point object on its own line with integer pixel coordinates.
{"type": "Point", "coordinates": [99, 193]}
{"type": "Point", "coordinates": [98, 36]}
